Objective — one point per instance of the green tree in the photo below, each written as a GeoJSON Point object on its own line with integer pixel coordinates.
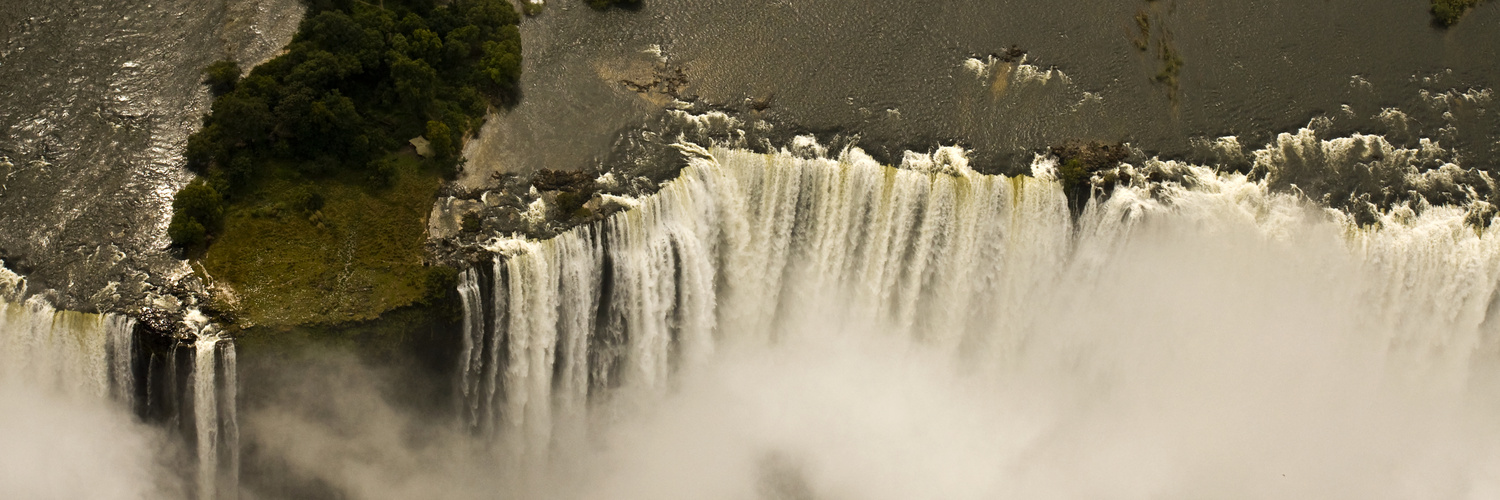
{"type": "Point", "coordinates": [441, 139]}
{"type": "Point", "coordinates": [490, 14]}
{"type": "Point", "coordinates": [1448, 12]}
{"type": "Point", "coordinates": [335, 31]}
{"type": "Point", "coordinates": [197, 211]}
{"type": "Point", "coordinates": [245, 119]}
{"type": "Point", "coordinates": [239, 172]}
{"type": "Point", "coordinates": [201, 202]}
{"type": "Point", "coordinates": [501, 65]}
{"type": "Point", "coordinates": [462, 43]}
{"type": "Point", "coordinates": [222, 76]}
{"type": "Point", "coordinates": [415, 81]}
{"type": "Point", "coordinates": [203, 147]}
{"type": "Point", "coordinates": [427, 46]}
{"type": "Point", "coordinates": [322, 70]}
{"type": "Point", "coordinates": [186, 232]}
{"type": "Point", "coordinates": [410, 23]}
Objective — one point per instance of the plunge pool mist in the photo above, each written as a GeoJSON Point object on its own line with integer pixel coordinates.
{"type": "Point", "coordinates": [791, 326]}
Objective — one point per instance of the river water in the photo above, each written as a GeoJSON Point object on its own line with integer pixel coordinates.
{"type": "Point", "coordinates": [96, 102]}
{"type": "Point", "coordinates": [893, 73]}
{"type": "Point", "coordinates": [789, 320]}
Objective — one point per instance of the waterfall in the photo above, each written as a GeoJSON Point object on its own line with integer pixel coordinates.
{"type": "Point", "coordinates": [96, 356]}
{"type": "Point", "coordinates": [120, 332]}
{"type": "Point", "coordinates": [539, 330]}
{"type": "Point", "coordinates": [470, 361]}
{"type": "Point", "coordinates": [986, 268]}
{"type": "Point", "coordinates": [70, 352]}
{"type": "Point", "coordinates": [215, 420]}
{"type": "Point", "coordinates": [738, 243]}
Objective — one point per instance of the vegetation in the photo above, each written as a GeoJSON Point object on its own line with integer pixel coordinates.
{"type": "Point", "coordinates": [310, 208]}
{"type": "Point", "coordinates": [222, 76]}
{"type": "Point", "coordinates": [1171, 65]}
{"type": "Point", "coordinates": [471, 223]}
{"type": "Point", "coordinates": [1077, 164]}
{"type": "Point", "coordinates": [357, 80]}
{"type": "Point", "coordinates": [345, 251]}
{"type": "Point", "coordinates": [1448, 12]}
{"type": "Point", "coordinates": [1143, 25]}
{"type": "Point", "coordinates": [196, 210]}
{"type": "Point", "coordinates": [1152, 18]}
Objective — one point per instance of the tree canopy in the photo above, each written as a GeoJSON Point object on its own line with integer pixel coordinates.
{"type": "Point", "coordinates": [356, 82]}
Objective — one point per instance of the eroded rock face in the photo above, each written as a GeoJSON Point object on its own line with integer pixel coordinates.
{"type": "Point", "coordinates": [537, 206]}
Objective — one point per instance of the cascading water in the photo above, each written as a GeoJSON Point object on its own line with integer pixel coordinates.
{"type": "Point", "coordinates": [120, 331]}
{"type": "Point", "coordinates": [1220, 305]}
{"type": "Point", "coordinates": [689, 269]}
{"type": "Point", "coordinates": [67, 385]}
{"type": "Point", "coordinates": [96, 357]}
{"type": "Point", "coordinates": [215, 418]}
{"type": "Point", "coordinates": [70, 352]}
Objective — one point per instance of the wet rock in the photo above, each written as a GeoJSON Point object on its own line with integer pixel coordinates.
{"type": "Point", "coordinates": [1078, 162]}
{"type": "Point", "coordinates": [560, 180]}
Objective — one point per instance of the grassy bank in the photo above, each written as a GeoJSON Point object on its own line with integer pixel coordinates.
{"type": "Point", "coordinates": [354, 255]}
{"type": "Point", "coordinates": [310, 206]}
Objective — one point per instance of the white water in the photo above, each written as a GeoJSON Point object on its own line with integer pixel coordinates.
{"type": "Point", "coordinates": [66, 388]}
{"type": "Point", "coordinates": [214, 417]}
{"type": "Point", "coordinates": [77, 367]}
{"type": "Point", "coordinates": [206, 416]}
{"type": "Point", "coordinates": [782, 327]}
{"type": "Point", "coordinates": [67, 352]}
{"type": "Point", "coordinates": [121, 348]}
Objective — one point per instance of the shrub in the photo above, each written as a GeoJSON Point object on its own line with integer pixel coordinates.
{"type": "Point", "coordinates": [304, 199]}
{"type": "Point", "coordinates": [440, 137]}
{"type": "Point", "coordinates": [470, 223]}
{"type": "Point", "coordinates": [1448, 12]}
{"type": "Point", "coordinates": [200, 202]}
{"type": "Point", "coordinates": [186, 232]}
{"type": "Point", "coordinates": [384, 172]}
{"type": "Point", "coordinates": [222, 76]}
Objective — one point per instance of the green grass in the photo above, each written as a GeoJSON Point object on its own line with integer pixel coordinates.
{"type": "Point", "coordinates": [357, 256]}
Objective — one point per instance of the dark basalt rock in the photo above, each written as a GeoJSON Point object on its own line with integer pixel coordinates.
{"type": "Point", "coordinates": [559, 180]}
{"type": "Point", "coordinates": [1092, 155]}
{"type": "Point", "coordinates": [1078, 162]}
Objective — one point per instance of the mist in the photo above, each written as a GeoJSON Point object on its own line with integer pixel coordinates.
{"type": "Point", "coordinates": [1194, 364]}
{"type": "Point", "coordinates": [55, 445]}
{"type": "Point", "coordinates": [1227, 343]}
